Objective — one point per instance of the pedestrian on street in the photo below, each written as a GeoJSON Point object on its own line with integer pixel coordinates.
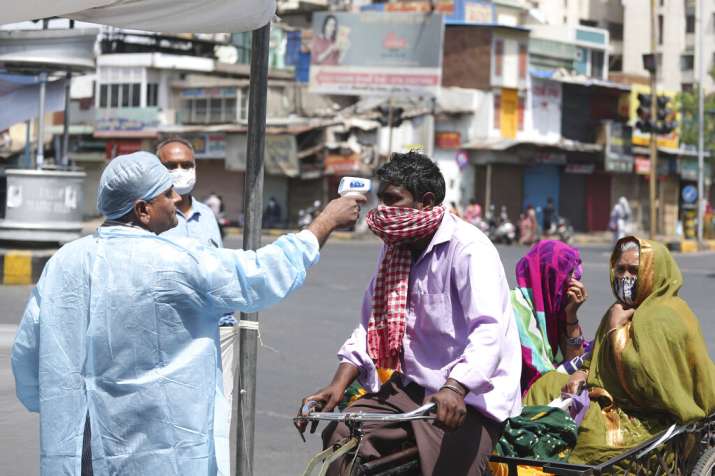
{"type": "Point", "coordinates": [619, 222]}
{"type": "Point", "coordinates": [473, 212]}
{"type": "Point", "coordinates": [272, 214]}
{"type": "Point", "coordinates": [549, 216]}
{"type": "Point", "coordinates": [437, 314]}
{"type": "Point", "coordinates": [528, 228]}
{"type": "Point", "coordinates": [118, 345]}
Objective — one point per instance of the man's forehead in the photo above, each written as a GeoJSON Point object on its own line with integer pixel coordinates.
{"type": "Point", "coordinates": [175, 151]}
{"type": "Point", "coordinates": [389, 188]}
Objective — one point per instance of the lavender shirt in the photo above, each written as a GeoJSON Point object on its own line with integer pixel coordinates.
{"type": "Point", "coordinates": [459, 323]}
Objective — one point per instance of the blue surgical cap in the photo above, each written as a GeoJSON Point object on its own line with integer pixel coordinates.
{"type": "Point", "coordinates": [128, 178]}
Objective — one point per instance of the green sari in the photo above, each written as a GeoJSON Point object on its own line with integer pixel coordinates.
{"type": "Point", "coordinates": [645, 375]}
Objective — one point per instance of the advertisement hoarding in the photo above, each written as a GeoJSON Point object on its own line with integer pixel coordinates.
{"type": "Point", "coordinates": [375, 53]}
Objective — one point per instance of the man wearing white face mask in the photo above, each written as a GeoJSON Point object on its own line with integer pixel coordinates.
{"type": "Point", "coordinates": [196, 220]}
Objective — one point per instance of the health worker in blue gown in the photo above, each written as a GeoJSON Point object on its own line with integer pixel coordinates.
{"type": "Point", "coordinates": [118, 350]}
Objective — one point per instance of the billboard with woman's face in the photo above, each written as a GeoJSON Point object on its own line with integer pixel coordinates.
{"type": "Point", "coordinates": [376, 53]}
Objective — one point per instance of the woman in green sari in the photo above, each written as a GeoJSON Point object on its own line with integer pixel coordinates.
{"type": "Point", "coordinates": [650, 366]}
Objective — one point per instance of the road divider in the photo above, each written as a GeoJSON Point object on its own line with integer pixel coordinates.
{"type": "Point", "coordinates": [22, 267]}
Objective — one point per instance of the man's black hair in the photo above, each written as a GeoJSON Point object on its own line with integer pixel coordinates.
{"type": "Point", "coordinates": [415, 172]}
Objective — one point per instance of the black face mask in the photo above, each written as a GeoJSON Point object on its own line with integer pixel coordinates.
{"type": "Point", "coordinates": [626, 290]}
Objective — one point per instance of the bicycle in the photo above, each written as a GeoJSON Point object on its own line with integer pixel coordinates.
{"type": "Point", "coordinates": [400, 463]}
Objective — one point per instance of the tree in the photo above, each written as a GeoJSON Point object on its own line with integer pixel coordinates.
{"type": "Point", "coordinates": [688, 101]}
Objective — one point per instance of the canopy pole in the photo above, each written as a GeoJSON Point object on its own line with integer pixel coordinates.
{"type": "Point", "coordinates": [244, 395]}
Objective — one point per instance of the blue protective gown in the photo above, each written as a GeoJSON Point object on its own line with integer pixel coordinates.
{"type": "Point", "coordinates": [119, 328]}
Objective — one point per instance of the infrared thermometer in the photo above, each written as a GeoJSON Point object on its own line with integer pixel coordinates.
{"type": "Point", "coordinates": [354, 185]}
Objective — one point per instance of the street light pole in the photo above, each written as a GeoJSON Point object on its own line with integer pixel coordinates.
{"type": "Point", "coordinates": [244, 393]}
{"type": "Point", "coordinates": [653, 119]}
{"type": "Point", "coordinates": [701, 111]}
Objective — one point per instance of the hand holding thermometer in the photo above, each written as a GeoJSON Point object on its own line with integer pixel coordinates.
{"type": "Point", "coordinates": [354, 185]}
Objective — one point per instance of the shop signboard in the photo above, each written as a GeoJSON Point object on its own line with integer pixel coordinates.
{"type": "Point", "coordinates": [376, 53]}
{"type": "Point", "coordinates": [208, 146]}
{"type": "Point", "coordinates": [281, 155]}
{"type": "Point", "coordinates": [688, 169]}
{"type": "Point", "coordinates": [447, 139]}
{"type": "Point", "coordinates": [642, 165]}
{"type": "Point", "coordinates": [456, 12]}
{"type": "Point", "coordinates": [336, 164]}
{"type": "Point", "coordinates": [128, 121]}
{"type": "Point", "coordinates": [583, 169]}
{"type": "Point", "coordinates": [618, 151]}
{"type": "Point", "coordinates": [549, 158]}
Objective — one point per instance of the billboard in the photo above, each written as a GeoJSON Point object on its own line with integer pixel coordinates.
{"type": "Point", "coordinates": [375, 53]}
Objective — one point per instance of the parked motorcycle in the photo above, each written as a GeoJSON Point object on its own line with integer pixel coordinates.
{"type": "Point", "coordinates": [306, 215]}
{"type": "Point", "coordinates": [561, 230]}
{"type": "Point", "coordinates": [501, 230]}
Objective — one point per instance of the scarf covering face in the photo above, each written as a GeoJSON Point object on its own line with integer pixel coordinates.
{"type": "Point", "coordinates": [542, 278]}
{"type": "Point", "coordinates": [396, 226]}
{"type": "Point", "coordinates": [645, 375]}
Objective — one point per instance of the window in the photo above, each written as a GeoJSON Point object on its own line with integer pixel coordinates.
{"type": "Point", "coordinates": [521, 113]}
{"type": "Point", "coordinates": [119, 95]}
{"type": "Point", "coordinates": [119, 87]}
{"type": "Point", "coordinates": [597, 58]}
{"type": "Point", "coordinates": [591, 23]}
{"type": "Point", "coordinates": [103, 96]}
{"type": "Point", "coordinates": [615, 63]}
{"type": "Point", "coordinates": [687, 62]}
{"type": "Point", "coordinates": [523, 61]}
{"type": "Point", "coordinates": [615, 30]}
{"type": "Point", "coordinates": [498, 57]}
{"type": "Point", "coordinates": [152, 95]}
{"type": "Point", "coordinates": [114, 95]}
{"type": "Point", "coordinates": [686, 87]}
{"type": "Point", "coordinates": [200, 110]}
{"type": "Point", "coordinates": [243, 111]}
{"type": "Point", "coordinates": [690, 24]}
{"type": "Point", "coordinates": [660, 29]}
{"type": "Point", "coordinates": [126, 95]}
{"type": "Point", "coordinates": [208, 110]}
{"type": "Point", "coordinates": [497, 111]}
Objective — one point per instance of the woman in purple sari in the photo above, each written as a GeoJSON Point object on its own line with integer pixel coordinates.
{"type": "Point", "coordinates": [546, 302]}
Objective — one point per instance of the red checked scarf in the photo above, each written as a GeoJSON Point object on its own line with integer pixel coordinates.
{"type": "Point", "coordinates": [395, 226]}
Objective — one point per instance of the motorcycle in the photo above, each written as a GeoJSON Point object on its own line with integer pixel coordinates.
{"type": "Point", "coordinates": [502, 230]}
{"type": "Point", "coordinates": [562, 230]}
{"type": "Point", "coordinates": [306, 215]}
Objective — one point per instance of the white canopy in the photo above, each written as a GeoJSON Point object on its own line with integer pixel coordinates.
{"type": "Point", "coordinates": [167, 16]}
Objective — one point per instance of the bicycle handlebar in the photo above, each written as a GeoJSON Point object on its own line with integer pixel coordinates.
{"type": "Point", "coordinates": [421, 413]}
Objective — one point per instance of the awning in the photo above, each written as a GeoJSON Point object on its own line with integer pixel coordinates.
{"type": "Point", "coordinates": [504, 144]}
{"type": "Point", "coordinates": [168, 16]}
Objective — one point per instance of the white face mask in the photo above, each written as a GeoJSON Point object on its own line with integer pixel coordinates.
{"type": "Point", "coordinates": [184, 180]}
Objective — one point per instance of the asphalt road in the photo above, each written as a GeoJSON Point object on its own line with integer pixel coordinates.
{"type": "Point", "coordinates": [300, 337]}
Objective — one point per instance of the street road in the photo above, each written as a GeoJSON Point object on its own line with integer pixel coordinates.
{"type": "Point", "coordinates": [300, 338]}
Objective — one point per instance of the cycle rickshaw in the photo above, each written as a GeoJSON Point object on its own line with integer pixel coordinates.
{"type": "Point", "coordinates": [681, 450]}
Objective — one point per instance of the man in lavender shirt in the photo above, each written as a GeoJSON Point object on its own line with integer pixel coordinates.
{"type": "Point", "coordinates": [460, 347]}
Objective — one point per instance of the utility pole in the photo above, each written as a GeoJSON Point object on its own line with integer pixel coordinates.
{"type": "Point", "coordinates": [244, 393]}
{"type": "Point", "coordinates": [701, 111]}
{"type": "Point", "coordinates": [653, 120]}
{"type": "Point", "coordinates": [40, 157]}
{"type": "Point", "coordinates": [390, 119]}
